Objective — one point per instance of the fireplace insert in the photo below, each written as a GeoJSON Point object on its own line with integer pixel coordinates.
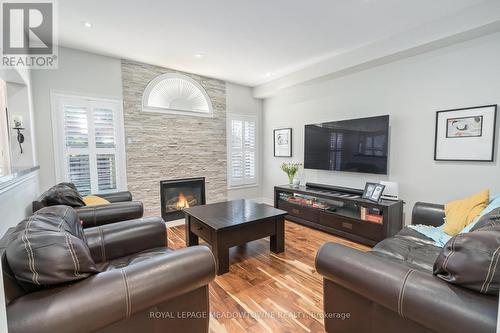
{"type": "Point", "coordinates": [177, 194]}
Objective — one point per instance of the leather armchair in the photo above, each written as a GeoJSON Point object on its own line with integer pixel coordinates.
{"type": "Point", "coordinates": [143, 286]}
{"type": "Point", "coordinates": [121, 208]}
{"type": "Point", "coordinates": [382, 294]}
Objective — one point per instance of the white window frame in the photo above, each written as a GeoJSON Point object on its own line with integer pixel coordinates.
{"type": "Point", "coordinates": [236, 184]}
{"type": "Point", "coordinates": [60, 149]}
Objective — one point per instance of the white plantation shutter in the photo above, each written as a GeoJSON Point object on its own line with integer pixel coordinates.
{"type": "Point", "coordinates": [104, 127]}
{"type": "Point", "coordinates": [106, 172]}
{"type": "Point", "coordinates": [79, 172]}
{"type": "Point", "coordinates": [88, 128]}
{"type": "Point", "coordinates": [75, 126]}
{"type": "Point", "coordinates": [242, 150]}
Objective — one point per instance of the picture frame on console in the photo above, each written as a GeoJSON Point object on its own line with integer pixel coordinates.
{"type": "Point", "coordinates": [373, 191]}
{"type": "Point", "coordinates": [466, 134]}
{"type": "Point", "coordinates": [282, 142]}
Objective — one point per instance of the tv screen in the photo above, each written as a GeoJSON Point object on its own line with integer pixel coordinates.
{"type": "Point", "coordinates": [356, 145]}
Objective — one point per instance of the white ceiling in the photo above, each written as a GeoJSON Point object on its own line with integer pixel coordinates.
{"type": "Point", "coordinates": [244, 41]}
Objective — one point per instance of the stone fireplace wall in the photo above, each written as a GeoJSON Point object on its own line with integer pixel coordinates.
{"type": "Point", "coordinates": [164, 146]}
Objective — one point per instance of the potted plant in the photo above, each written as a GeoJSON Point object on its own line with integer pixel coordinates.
{"type": "Point", "coordinates": [291, 169]}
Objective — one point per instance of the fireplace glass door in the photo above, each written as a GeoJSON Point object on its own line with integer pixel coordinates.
{"type": "Point", "coordinates": [178, 194]}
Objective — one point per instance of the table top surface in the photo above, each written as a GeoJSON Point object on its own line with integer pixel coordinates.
{"type": "Point", "coordinates": [232, 213]}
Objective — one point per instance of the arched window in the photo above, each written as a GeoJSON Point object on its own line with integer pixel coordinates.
{"type": "Point", "coordinates": [176, 94]}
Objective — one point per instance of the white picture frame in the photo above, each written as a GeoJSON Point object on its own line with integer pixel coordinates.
{"type": "Point", "coordinates": [466, 134]}
{"type": "Point", "coordinates": [283, 142]}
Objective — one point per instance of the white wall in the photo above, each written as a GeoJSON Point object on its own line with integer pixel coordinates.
{"type": "Point", "coordinates": [15, 201]}
{"type": "Point", "coordinates": [78, 72]}
{"type": "Point", "coordinates": [239, 100]}
{"type": "Point", "coordinates": [410, 91]}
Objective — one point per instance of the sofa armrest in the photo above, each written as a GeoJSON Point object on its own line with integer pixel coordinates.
{"type": "Point", "coordinates": [111, 296]}
{"type": "Point", "coordinates": [116, 196]}
{"type": "Point", "coordinates": [93, 216]}
{"type": "Point", "coordinates": [120, 239]}
{"type": "Point", "coordinates": [414, 295]}
{"type": "Point", "coordinates": [427, 214]}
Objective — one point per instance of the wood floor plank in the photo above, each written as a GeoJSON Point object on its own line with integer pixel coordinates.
{"type": "Point", "coordinates": [268, 292]}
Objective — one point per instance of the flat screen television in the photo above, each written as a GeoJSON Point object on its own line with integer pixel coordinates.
{"type": "Point", "coordinates": [356, 145]}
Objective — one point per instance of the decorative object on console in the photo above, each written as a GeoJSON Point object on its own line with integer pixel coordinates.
{"type": "Point", "coordinates": [291, 169]}
{"type": "Point", "coordinates": [466, 134]}
{"type": "Point", "coordinates": [283, 142]}
{"type": "Point", "coordinates": [391, 190]}
{"type": "Point", "coordinates": [373, 191]}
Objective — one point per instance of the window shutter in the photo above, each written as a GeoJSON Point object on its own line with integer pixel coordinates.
{"type": "Point", "coordinates": [104, 128]}
{"type": "Point", "coordinates": [242, 153]}
{"type": "Point", "coordinates": [90, 144]}
{"type": "Point", "coordinates": [75, 126]}
{"type": "Point", "coordinates": [106, 172]}
{"type": "Point", "coordinates": [79, 172]}
{"type": "Point", "coordinates": [249, 140]}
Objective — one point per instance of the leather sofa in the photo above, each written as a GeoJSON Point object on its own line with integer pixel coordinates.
{"type": "Point", "coordinates": [121, 208]}
{"type": "Point", "coordinates": [142, 286]}
{"type": "Point", "coordinates": [392, 288]}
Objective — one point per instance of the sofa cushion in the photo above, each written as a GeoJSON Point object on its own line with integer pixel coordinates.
{"type": "Point", "coordinates": [64, 218]}
{"type": "Point", "coordinates": [62, 194]}
{"type": "Point", "coordinates": [410, 248]}
{"type": "Point", "coordinates": [133, 258]}
{"type": "Point", "coordinates": [471, 260]}
{"type": "Point", "coordinates": [461, 213]}
{"type": "Point", "coordinates": [94, 200]}
{"type": "Point", "coordinates": [46, 252]}
{"type": "Point", "coordinates": [488, 220]}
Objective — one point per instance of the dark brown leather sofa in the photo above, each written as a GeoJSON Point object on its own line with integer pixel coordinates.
{"type": "Point", "coordinates": [121, 208]}
{"type": "Point", "coordinates": [392, 288]}
{"type": "Point", "coordinates": [142, 287]}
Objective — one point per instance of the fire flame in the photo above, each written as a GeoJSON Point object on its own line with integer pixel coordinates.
{"type": "Point", "coordinates": [182, 202]}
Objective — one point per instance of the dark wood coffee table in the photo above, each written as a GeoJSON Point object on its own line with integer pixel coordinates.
{"type": "Point", "coordinates": [231, 223]}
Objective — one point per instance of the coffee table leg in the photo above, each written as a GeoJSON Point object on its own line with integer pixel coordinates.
{"type": "Point", "coordinates": [221, 254]}
{"type": "Point", "coordinates": [278, 240]}
{"type": "Point", "coordinates": [191, 238]}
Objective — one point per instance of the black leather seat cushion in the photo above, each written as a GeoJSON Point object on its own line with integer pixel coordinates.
{"type": "Point", "coordinates": [134, 258]}
{"type": "Point", "coordinates": [48, 249]}
{"type": "Point", "coordinates": [409, 248]}
{"type": "Point", "coordinates": [62, 194]}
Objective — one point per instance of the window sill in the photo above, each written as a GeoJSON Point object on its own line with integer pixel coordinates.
{"type": "Point", "coordinates": [241, 187]}
{"type": "Point", "coordinates": [16, 177]}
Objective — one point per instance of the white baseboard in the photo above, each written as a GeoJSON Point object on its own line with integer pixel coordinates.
{"type": "Point", "coordinates": [175, 223]}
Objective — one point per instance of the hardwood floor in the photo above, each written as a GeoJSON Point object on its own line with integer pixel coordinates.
{"type": "Point", "coordinates": [268, 292]}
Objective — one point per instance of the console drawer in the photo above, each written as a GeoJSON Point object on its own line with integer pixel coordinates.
{"type": "Point", "coordinates": [365, 229]}
{"type": "Point", "coordinates": [299, 211]}
{"type": "Point", "coordinates": [200, 230]}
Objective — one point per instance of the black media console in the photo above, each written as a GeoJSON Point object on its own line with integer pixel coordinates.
{"type": "Point", "coordinates": [340, 211]}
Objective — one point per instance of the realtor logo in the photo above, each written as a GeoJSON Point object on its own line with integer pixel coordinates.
{"type": "Point", "coordinates": [28, 34]}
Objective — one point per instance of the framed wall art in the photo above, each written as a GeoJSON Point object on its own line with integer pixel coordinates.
{"type": "Point", "coordinates": [466, 134]}
{"type": "Point", "coordinates": [283, 142]}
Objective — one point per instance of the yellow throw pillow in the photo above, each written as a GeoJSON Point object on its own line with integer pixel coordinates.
{"type": "Point", "coordinates": [460, 213]}
{"type": "Point", "coordinates": [94, 200]}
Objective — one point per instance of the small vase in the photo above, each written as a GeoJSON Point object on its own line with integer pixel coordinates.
{"type": "Point", "coordinates": [290, 179]}
{"type": "Point", "coordinates": [296, 182]}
